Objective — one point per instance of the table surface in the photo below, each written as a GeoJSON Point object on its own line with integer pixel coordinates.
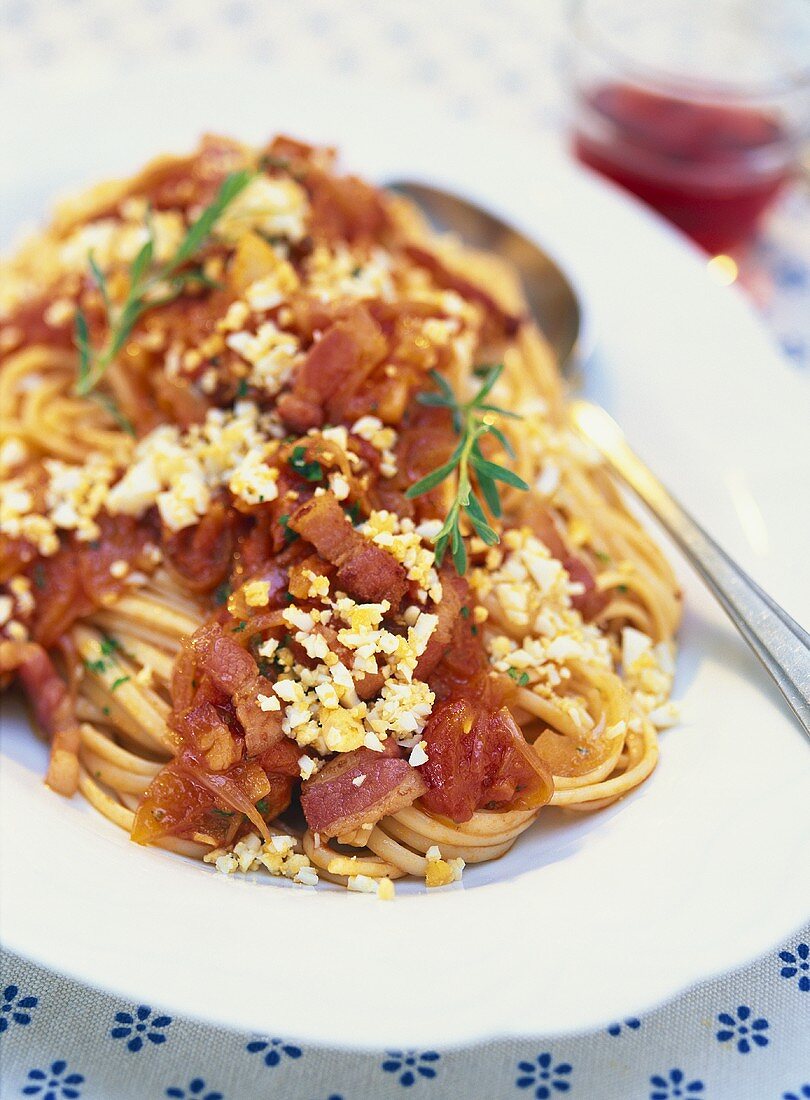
{"type": "Point", "coordinates": [744, 1036]}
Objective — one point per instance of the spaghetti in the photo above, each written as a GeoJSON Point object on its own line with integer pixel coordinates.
{"type": "Point", "coordinates": [302, 568]}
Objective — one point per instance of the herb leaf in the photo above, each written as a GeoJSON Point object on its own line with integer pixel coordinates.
{"type": "Point", "coordinates": [200, 230]}
{"type": "Point", "coordinates": [310, 471]}
{"type": "Point", "coordinates": [93, 363]}
{"type": "Point", "coordinates": [472, 420]}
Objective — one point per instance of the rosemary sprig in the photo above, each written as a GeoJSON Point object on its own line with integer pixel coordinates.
{"type": "Point", "coordinates": [144, 287]}
{"type": "Point", "coordinates": [471, 420]}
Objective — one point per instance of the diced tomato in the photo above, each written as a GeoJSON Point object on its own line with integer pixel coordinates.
{"type": "Point", "coordinates": [478, 759]}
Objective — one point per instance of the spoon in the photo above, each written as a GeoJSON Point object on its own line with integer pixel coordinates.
{"type": "Point", "coordinates": [553, 301]}
{"type": "Point", "coordinates": [778, 641]}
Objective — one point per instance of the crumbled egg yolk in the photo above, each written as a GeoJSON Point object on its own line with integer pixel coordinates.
{"type": "Point", "coordinates": [278, 856]}
{"type": "Point", "coordinates": [441, 872]}
{"type": "Point", "coordinates": [404, 541]}
{"type": "Point", "coordinates": [275, 207]}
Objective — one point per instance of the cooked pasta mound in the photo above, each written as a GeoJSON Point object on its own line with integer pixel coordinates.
{"type": "Point", "coordinates": [302, 569]}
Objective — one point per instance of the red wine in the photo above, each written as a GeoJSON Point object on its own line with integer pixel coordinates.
{"type": "Point", "coordinates": [709, 168]}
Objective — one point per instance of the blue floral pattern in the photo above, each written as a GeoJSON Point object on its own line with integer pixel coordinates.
{"type": "Point", "coordinates": [674, 1085]}
{"type": "Point", "coordinates": [630, 1023]}
{"type": "Point", "coordinates": [139, 1027]}
{"type": "Point", "coordinates": [742, 1030]}
{"type": "Point", "coordinates": [54, 1083]}
{"type": "Point", "coordinates": [195, 1090]}
{"type": "Point", "coordinates": [410, 1065]}
{"type": "Point", "coordinates": [15, 1009]}
{"type": "Point", "coordinates": [802, 1094]}
{"type": "Point", "coordinates": [797, 965]}
{"type": "Point", "coordinates": [273, 1050]}
{"type": "Point", "coordinates": [543, 1076]}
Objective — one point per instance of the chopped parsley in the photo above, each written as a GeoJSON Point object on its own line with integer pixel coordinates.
{"type": "Point", "coordinates": [520, 678]}
{"type": "Point", "coordinates": [310, 471]}
{"type": "Point", "coordinates": [242, 388]}
{"type": "Point", "coordinates": [262, 806]}
{"type": "Point", "coordinates": [109, 646]}
{"type": "Point", "coordinates": [117, 683]}
{"type": "Point", "coordinates": [221, 593]}
{"type": "Point", "coordinates": [221, 813]}
{"type": "Point", "coordinates": [465, 612]}
{"type": "Point", "coordinates": [289, 536]}
{"type": "Point", "coordinates": [239, 627]}
{"type": "Point", "coordinates": [96, 666]}
{"type": "Point", "coordinates": [354, 512]}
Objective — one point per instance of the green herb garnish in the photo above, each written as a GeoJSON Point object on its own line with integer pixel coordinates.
{"type": "Point", "coordinates": [520, 678]}
{"type": "Point", "coordinates": [221, 813]}
{"type": "Point", "coordinates": [240, 627]}
{"type": "Point", "coordinates": [147, 289]}
{"type": "Point", "coordinates": [311, 471]}
{"type": "Point", "coordinates": [263, 806]}
{"type": "Point", "coordinates": [117, 683]}
{"type": "Point", "coordinates": [242, 388]}
{"type": "Point", "coordinates": [221, 593]}
{"type": "Point", "coordinates": [96, 666]}
{"type": "Point", "coordinates": [471, 420]}
{"type": "Point", "coordinates": [289, 536]}
{"type": "Point", "coordinates": [109, 646]}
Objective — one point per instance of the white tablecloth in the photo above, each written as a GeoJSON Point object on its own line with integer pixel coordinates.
{"type": "Point", "coordinates": [745, 1036]}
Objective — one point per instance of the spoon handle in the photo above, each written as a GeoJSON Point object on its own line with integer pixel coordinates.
{"type": "Point", "coordinates": [779, 642]}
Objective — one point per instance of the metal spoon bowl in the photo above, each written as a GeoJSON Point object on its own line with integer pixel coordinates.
{"type": "Point", "coordinates": [779, 642]}
{"type": "Point", "coordinates": [550, 295]}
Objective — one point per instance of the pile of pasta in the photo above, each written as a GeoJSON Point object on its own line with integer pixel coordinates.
{"type": "Point", "coordinates": [302, 568]}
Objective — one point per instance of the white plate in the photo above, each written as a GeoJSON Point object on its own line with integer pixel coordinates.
{"type": "Point", "coordinates": [586, 920]}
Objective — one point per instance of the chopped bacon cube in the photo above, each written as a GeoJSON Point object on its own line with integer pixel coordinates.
{"type": "Point", "coordinates": [333, 804]}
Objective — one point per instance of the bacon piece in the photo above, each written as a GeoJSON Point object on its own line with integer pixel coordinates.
{"type": "Point", "coordinates": [343, 356]}
{"type": "Point", "coordinates": [345, 208]}
{"type": "Point", "coordinates": [262, 727]}
{"type": "Point", "coordinates": [233, 671]}
{"type": "Point", "coordinates": [504, 323]}
{"type": "Point", "coordinates": [365, 571]}
{"type": "Point", "coordinates": [334, 805]}
{"type": "Point", "coordinates": [455, 591]}
{"type": "Point", "coordinates": [222, 658]}
{"type": "Point", "coordinates": [52, 704]}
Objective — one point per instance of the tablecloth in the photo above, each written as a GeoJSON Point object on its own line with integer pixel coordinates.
{"type": "Point", "coordinates": [743, 1036]}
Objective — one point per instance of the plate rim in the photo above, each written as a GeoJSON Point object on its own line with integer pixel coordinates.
{"type": "Point", "coordinates": [584, 182]}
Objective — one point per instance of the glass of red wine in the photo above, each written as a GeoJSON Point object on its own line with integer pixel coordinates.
{"type": "Point", "coordinates": [699, 107]}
